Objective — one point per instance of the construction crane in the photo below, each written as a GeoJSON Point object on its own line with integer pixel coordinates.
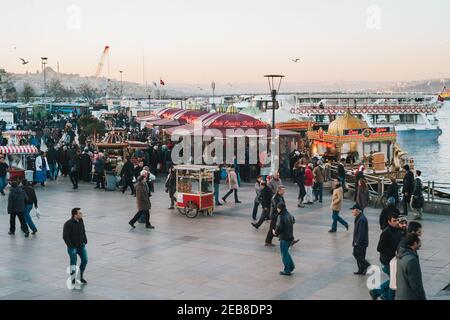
{"type": "Point", "coordinates": [102, 61]}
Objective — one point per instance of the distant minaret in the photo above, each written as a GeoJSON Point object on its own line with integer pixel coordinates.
{"type": "Point", "coordinates": [57, 67]}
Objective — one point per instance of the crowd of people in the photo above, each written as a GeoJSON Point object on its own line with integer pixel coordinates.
{"type": "Point", "coordinates": [62, 154]}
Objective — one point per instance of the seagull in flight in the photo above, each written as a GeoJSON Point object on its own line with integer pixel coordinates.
{"type": "Point", "coordinates": [24, 61]}
{"type": "Point", "coordinates": [296, 60]}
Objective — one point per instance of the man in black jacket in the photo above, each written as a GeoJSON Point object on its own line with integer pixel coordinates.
{"type": "Point", "coordinates": [277, 199]}
{"type": "Point", "coordinates": [29, 202]}
{"type": "Point", "coordinates": [266, 201]}
{"type": "Point", "coordinates": [386, 211]}
{"type": "Point", "coordinates": [217, 186]}
{"type": "Point", "coordinates": [16, 208]}
{"type": "Point", "coordinates": [74, 235]}
{"type": "Point", "coordinates": [285, 231]}
{"type": "Point", "coordinates": [341, 173]}
{"type": "Point", "coordinates": [360, 239]}
{"type": "Point", "coordinates": [127, 175]}
{"type": "Point", "coordinates": [408, 188]}
{"type": "Point", "coordinates": [387, 246]}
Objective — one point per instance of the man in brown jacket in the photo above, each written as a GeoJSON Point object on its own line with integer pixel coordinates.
{"type": "Point", "coordinates": [143, 202]}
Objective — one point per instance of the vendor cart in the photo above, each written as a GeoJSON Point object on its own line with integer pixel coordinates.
{"type": "Point", "coordinates": [195, 189]}
{"type": "Point", "coordinates": [15, 156]}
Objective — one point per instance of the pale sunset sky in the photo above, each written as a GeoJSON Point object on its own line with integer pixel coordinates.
{"type": "Point", "coordinates": [238, 41]}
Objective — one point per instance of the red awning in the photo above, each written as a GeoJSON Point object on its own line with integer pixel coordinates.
{"type": "Point", "coordinates": [189, 116]}
{"type": "Point", "coordinates": [163, 123]}
{"type": "Point", "coordinates": [18, 150]}
{"type": "Point", "coordinates": [233, 121]}
{"type": "Point", "coordinates": [147, 118]}
{"type": "Point", "coordinates": [167, 112]}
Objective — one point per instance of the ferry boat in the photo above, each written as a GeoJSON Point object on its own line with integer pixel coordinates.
{"type": "Point", "coordinates": [413, 117]}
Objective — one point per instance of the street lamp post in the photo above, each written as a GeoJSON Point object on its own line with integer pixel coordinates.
{"type": "Point", "coordinates": [121, 84]}
{"type": "Point", "coordinates": [213, 87]}
{"type": "Point", "coordinates": [44, 63]}
{"type": "Point", "coordinates": [274, 86]}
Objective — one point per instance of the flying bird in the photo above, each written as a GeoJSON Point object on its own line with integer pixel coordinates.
{"type": "Point", "coordinates": [24, 61]}
{"type": "Point", "coordinates": [296, 60]}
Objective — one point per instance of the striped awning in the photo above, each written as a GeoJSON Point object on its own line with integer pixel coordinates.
{"type": "Point", "coordinates": [18, 150]}
{"type": "Point", "coordinates": [17, 133]}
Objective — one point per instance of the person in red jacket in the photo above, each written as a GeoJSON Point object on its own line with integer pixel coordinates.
{"type": "Point", "coordinates": [308, 184]}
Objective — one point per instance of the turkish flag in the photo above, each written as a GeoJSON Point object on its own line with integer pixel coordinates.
{"type": "Point", "coordinates": [162, 82]}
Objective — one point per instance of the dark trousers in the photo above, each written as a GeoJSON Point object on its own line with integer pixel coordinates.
{"type": "Point", "coordinates": [12, 222]}
{"type": "Point", "coordinates": [235, 195]}
{"type": "Point", "coordinates": [360, 255]}
{"type": "Point", "coordinates": [273, 224]}
{"type": "Point", "coordinates": [74, 178]}
{"type": "Point", "coordinates": [146, 214]}
{"type": "Point", "coordinates": [264, 216]}
{"type": "Point", "coordinates": [406, 200]}
{"type": "Point", "coordinates": [100, 179]}
{"type": "Point", "coordinates": [255, 210]}
{"type": "Point", "coordinates": [173, 200]}
{"type": "Point", "coordinates": [301, 192]}
{"type": "Point", "coordinates": [128, 183]}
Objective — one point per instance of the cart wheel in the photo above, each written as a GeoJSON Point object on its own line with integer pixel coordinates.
{"type": "Point", "coordinates": [191, 210]}
{"type": "Point", "coordinates": [182, 211]}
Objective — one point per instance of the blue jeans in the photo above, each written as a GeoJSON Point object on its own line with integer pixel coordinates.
{"type": "Point", "coordinates": [289, 265]}
{"type": "Point", "coordinates": [336, 219]}
{"type": "Point", "coordinates": [28, 219]}
{"type": "Point", "coordinates": [216, 193]}
{"type": "Point", "coordinates": [384, 291]}
{"type": "Point", "coordinates": [53, 171]}
{"type": "Point", "coordinates": [255, 210]}
{"type": "Point", "coordinates": [3, 183]}
{"type": "Point", "coordinates": [318, 191]}
{"type": "Point", "coordinates": [82, 252]}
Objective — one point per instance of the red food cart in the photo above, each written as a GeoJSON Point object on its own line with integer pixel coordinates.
{"type": "Point", "coordinates": [16, 160]}
{"type": "Point", "coordinates": [195, 189]}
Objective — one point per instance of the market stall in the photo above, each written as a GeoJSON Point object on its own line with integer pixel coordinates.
{"type": "Point", "coordinates": [17, 137]}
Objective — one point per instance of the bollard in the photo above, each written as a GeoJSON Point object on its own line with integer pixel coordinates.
{"type": "Point", "coordinates": [428, 191]}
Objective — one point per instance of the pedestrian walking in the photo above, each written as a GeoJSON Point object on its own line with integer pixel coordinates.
{"type": "Point", "coordinates": [275, 182]}
{"type": "Point", "coordinates": [16, 208]}
{"type": "Point", "coordinates": [392, 190]}
{"type": "Point", "coordinates": [99, 171]}
{"type": "Point", "coordinates": [362, 198]}
{"type": "Point", "coordinates": [233, 184]}
{"type": "Point", "coordinates": [309, 184]}
{"type": "Point", "coordinates": [127, 175]}
{"type": "Point", "coordinates": [387, 246]}
{"type": "Point", "coordinates": [342, 173]}
{"type": "Point", "coordinates": [41, 168]}
{"type": "Point", "coordinates": [217, 176]}
{"type": "Point", "coordinates": [29, 202]}
{"type": "Point", "coordinates": [171, 187]}
{"type": "Point", "coordinates": [285, 231]}
{"type": "Point", "coordinates": [74, 235]}
{"type": "Point", "coordinates": [418, 200]}
{"type": "Point", "coordinates": [143, 203]}
{"type": "Point", "coordinates": [299, 178]}
{"type": "Point", "coordinates": [276, 200]}
{"type": "Point", "coordinates": [408, 188]}
{"type": "Point", "coordinates": [360, 239]}
{"type": "Point", "coordinates": [266, 202]}
{"type": "Point", "coordinates": [257, 200]}
{"type": "Point", "coordinates": [318, 174]}
{"type": "Point", "coordinates": [3, 171]}
{"type": "Point", "coordinates": [336, 206]}
{"type": "Point", "coordinates": [75, 166]}
{"type": "Point", "coordinates": [358, 176]}
{"type": "Point", "coordinates": [409, 273]}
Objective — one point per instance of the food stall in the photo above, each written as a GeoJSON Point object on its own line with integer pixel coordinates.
{"type": "Point", "coordinates": [15, 157]}
{"type": "Point", "coordinates": [195, 189]}
{"type": "Point", "coordinates": [17, 137]}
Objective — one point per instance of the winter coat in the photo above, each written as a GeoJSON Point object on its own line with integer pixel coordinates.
{"type": "Point", "coordinates": [361, 232]}
{"type": "Point", "coordinates": [285, 226]}
{"type": "Point", "coordinates": [417, 199]}
{"type": "Point", "coordinates": [337, 199]}
{"type": "Point", "coordinates": [31, 196]}
{"type": "Point", "coordinates": [273, 184]}
{"type": "Point", "coordinates": [408, 183]}
{"type": "Point", "coordinates": [74, 234]}
{"type": "Point", "coordinates": [16, 200]}
{"type": "Point", "coordinates": [232, 180]}
{"type": "Point", "coordinates": [266, 197]}
{"type": "Point", "coordinates": [409, 276]}
{"type": "Point", "coordinates": [318, 174]}
{"type": "Point", "coordinates": [389, 240]}
{"type": "Point", "coordinates": [142, 197]}
{"type": "Point", "coordinates": [392, 191]}
{"type": "Point", "coordinates": [127, 171]}
{"type": "Point", "coordinates": [99, 166]}
{"type": "Point", "coordinates": [341, 171]}
{"type": "Point", "coordinates": [42, 164]}
{"type": "Point", "coordinates": [258, 189]}
{"type": "Point", "coordinates": [308, 177]}
{"type": "Point", "coordinates": [363, 197]}
{"type": "Point", "coordinates": [276, 200]}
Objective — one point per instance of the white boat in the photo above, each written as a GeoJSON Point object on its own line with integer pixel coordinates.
{"type": "Point", "coordinates": [413, 117]}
